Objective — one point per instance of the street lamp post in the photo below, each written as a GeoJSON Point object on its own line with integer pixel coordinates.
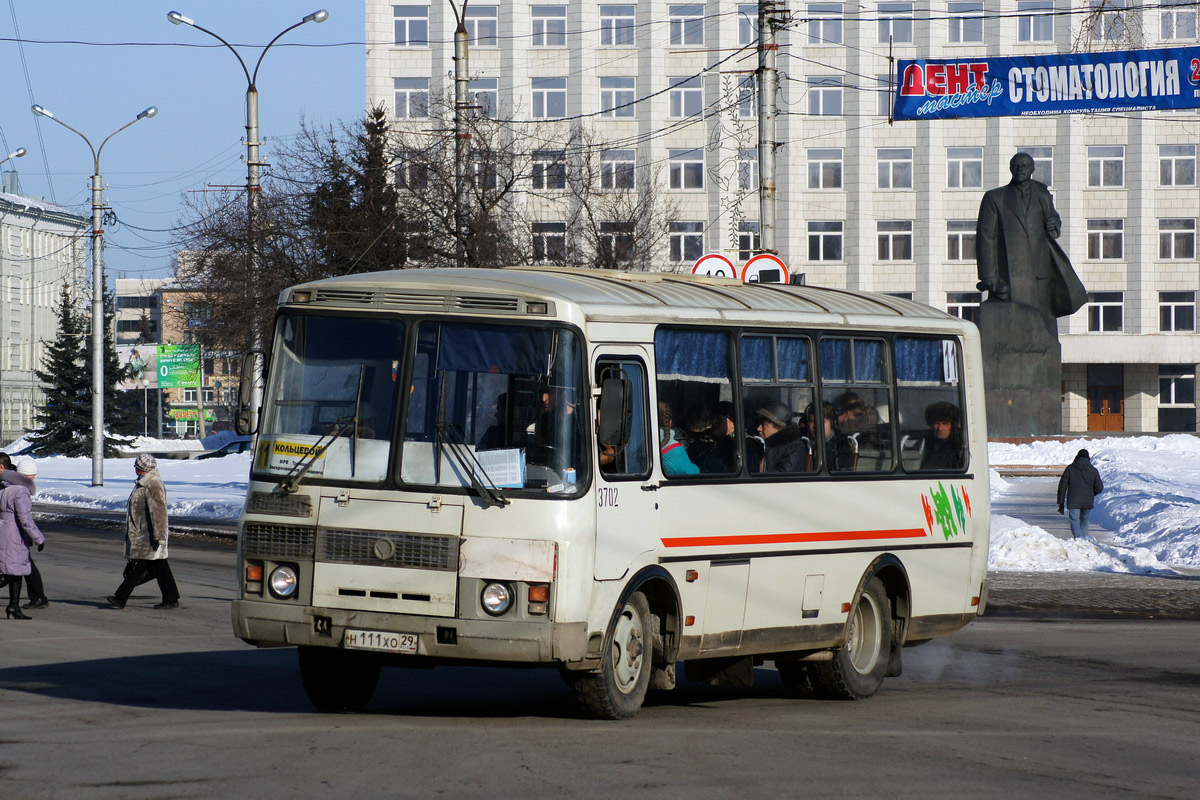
{"type": "Point", "coordinates": [97, 287]}
{"type": "Point", "coordinates": [145, 407]}
{"type": "Point", "coordinates": [253, 186]}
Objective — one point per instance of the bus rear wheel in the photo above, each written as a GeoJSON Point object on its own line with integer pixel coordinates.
{"type": "Point", "coordinates": [338, 680]}
{"type": "Point", "coordinates": [618, 689]}
{"type": "Point", "coordinates": [857, 669]}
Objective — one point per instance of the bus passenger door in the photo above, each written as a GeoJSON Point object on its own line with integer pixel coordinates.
{"type": "Point", "coordinates": [626, 496]}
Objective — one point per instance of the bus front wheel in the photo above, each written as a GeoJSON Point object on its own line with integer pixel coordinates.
{"type": "Point", "coordinates": [338, 680]}
{"type": "Point", "coordinates": [857, 668]}
{"type": "Point", "coordinates": [618, 688]}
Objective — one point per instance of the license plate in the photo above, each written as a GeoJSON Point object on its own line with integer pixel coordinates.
{"type": "Point", "coordinates": [381, 641]}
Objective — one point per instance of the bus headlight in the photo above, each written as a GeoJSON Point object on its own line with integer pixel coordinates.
{"type": "Point", "coordinates": [496, 598]}
{"type": "Point", "coordinates": [283, 582]}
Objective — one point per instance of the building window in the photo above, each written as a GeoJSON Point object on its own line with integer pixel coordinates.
{"type": "Point", "coordinates": [1178, 20]}
{"type": "Point", "coordinates": [1177, 165]}
{"type": "Point", "coordinates": [1105, 23]}
{"type": "Point", "coordinates": [686, 97]}
{"type": "Point", "coordinates": [747, 98]}
{"type": "Point", "coordinates": [686, 24]}
{"type": "Point", "coordinates": [1043, 162]}
{"type": "Point", "coordinates": [485, 96]}
{"type": "Point", "coordinates": [617, 96]}
{"type": "Point", "coordinates": [617, 170]}
{"type": "Point", "coordinates": [748, 169]}
{"type": "Point", "coordinates": [825, 168]}
{"type": "Point", "coordinates": [885, 89]}
{"type": "Point", "coordinates": [825, 241]}
{"type": "Point", "coordinates": [412, 174]}
{"type": "Point", "coordinates": [1177, 397]}
{"type": "Point", "coordinates": [960, 239]}
{"type": "Point", "coordinates": [1106, 311]}
{"type": "Point", "coordinates": [1106, 238]}
{"type": "Point", "coordinates": [895, 240]}
{"type": "Point", "coordinates": [412, 97]}
{"type": "Point", "coordinates": [549, 26]}
{"type": "Point", "coordinates": [481, 172]}
{"type": "Point", "coordinates": [412, 25]}
{"type": "Point", "coordinates": [896, 23]}
{"type": "Point", "coordinates": [824, 23]}
{"type": "Point", "coordinates": [687, 241]}
{"type": "Point", "coordinates": [1106, 166]}
{"type": "Point", "coordinates": [482, 25]}
{"type": "Point", "coordinates": [964, 305]}
{"type": "Point", "coordinates": [1035, 21]}
{"type": "Point", "coordinates": [964, 167]}
{"type": "Point", "coordinates": [748, 241]}
{"type": "Point", "coordinates": [1177, 312]}
{"type": "Point", "coordinates": [616, 241]}
{"type": "Point", "coordinates": [747, 24]}
{"type": "Point", "coordinates": [549, 98]}
{"type": "Point", "coordinates": [895, 167]}
{"type": "Point", "coordinates": [549, 169]}
{"type": "Point", "coordinates": [687, 169]}
{"type": "Point", "coordinates": [617, 26]}
{"type": "Point", "coordinates": [825, 96]}
{"type": "Point", "coordinates": [966, 21]}
{"type": "Point", "coordinates": [549, 241]}
{"type": "Point", "coordinates": [1177, 238]}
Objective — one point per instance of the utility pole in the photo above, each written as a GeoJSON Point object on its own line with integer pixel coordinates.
{"type": "Point", "coordinates": [768, 84]}
{"type": "Point", "coordinates": [461, 100]}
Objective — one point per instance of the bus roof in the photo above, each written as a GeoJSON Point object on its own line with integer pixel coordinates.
{"type": "Point", "coordinates": [602, 295]}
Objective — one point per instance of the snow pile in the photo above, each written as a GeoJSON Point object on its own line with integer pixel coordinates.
{"type": "Point", "coordinates": [1027, 548]}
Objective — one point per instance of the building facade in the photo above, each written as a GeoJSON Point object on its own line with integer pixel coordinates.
{"type": "Point", "coordinates": [667, 88]}
{"type": "Point", "coordinates": [42, 248]}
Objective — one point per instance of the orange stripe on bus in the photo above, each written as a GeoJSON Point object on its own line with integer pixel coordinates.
{"type": "Point", "coordinates": [785, 538]}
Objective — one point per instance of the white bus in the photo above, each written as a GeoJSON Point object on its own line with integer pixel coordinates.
{"type": "Point", "coordinates": [612, 473]}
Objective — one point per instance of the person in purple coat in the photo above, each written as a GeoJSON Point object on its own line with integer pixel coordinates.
{"type": "Point", "coordinates": [18, 532]}
{"type": "Point", "coordinates": [23, 473]}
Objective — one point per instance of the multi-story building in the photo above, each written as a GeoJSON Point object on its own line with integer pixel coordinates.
{"type": "Point", "coordinates": [139, 312]}
{"type": "Point", "coordinates": [42, 248]}
{"type": "Point", "coordinates": [862, 203]}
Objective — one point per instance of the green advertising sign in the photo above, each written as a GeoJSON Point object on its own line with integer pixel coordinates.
{"type": "Point", "coordinates": [178, 366]}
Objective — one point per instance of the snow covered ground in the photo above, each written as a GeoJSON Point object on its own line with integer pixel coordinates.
{"type": "Point", "coordinates": [1151, 502]}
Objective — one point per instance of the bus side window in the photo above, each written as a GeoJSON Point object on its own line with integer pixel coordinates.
{"type": "Point", "coordinates": [928, 392]}
{"type": "Point", "coordinates": [633, 460]}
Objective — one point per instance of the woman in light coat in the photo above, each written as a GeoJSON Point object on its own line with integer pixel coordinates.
{"type": "Point", "coordinates": [146, 537]}
{"type": "Point", "coordinates": [18, 532]}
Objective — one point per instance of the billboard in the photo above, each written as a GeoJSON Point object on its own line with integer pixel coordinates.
{"type": "Point", "coordinates": [141, 361]}
{"type": "Point", "coordinates": [178, 366]}
{"type": "Point", "coordinates": [1041, 85]}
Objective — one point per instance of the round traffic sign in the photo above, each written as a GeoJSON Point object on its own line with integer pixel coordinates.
{"type": "Point", "coordinates": [765, 268]}
{"type": "Point", "coordinates": [716, 265]}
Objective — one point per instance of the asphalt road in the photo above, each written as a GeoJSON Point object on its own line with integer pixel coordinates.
{"type": "Point", "coordinates": [100, 703]}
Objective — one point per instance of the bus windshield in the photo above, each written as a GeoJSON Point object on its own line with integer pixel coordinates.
{"type": "Point", "coordinates": [497, 406]}
{"type": "Point", "coordinates": [332, 377]}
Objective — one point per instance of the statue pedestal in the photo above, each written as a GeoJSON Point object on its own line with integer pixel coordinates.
{"type": "Point", "coordinates": [1022, 370]}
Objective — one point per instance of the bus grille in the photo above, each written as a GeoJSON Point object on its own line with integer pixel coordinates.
{"type": "Point", "coordinates": [260, 540]}
{"type": "Point", "coordinates": [378, 549]}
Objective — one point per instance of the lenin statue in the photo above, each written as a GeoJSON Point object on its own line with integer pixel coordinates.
{"type": "Point", "coordinates": [1030, 283]}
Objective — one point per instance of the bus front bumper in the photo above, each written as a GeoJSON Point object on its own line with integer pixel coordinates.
{"type": "Point", "coordinates": [272, 624]}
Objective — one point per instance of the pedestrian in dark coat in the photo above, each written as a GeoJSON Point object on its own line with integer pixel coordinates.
{"type": "Point", "coordinates": [1077, 490]}
{"type": "Point", "coordinates": [18, 532]}
{"type": "Point", "coordinates": [23, 474]}
{"type": "Point", "coordinates": [146, 537]}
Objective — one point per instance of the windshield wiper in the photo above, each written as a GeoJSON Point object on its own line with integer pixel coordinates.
{"type": "Point", "coordinates": [291, 482]}
{"type": "Point", "coordinates": [468, 463]}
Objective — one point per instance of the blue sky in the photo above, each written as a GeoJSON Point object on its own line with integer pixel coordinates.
{"type": "Point", "coordinates": [196, 139]}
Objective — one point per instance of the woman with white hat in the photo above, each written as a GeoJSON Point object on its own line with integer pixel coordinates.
{"type": "Point", "coordinates": [146, 537]}
{"type": "Point", "coordinates": [18, 532]}
{"type": "Point", "coordinates": [22, 475]}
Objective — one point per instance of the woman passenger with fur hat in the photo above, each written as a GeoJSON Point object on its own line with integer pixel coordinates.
{"type": "Point", "coordinates": [146, 537]}
{"type": "Point", "coordinates": [786, 450]}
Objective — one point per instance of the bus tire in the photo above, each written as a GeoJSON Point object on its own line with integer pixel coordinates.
{"type": "Point", "coordinates": [338, 680]}
{"type": "Point", "coordinates": [618, 688]}
{"type": "Point", "coordinates": [857, 668]}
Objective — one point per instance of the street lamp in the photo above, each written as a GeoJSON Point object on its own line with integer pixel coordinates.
{"type": "Point", "coordinates": [18, 153]}
{"type": "Point", "coordinates": [253, 187]}
{"type": "Point", "coordinates": [97, 287]}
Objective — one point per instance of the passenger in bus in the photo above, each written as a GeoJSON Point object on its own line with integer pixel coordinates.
{"type": "Point", "coordinates": [839, 452]}
{"type": "Point", "coordinates": [675, 460]}
{"type": "Point", "coordinates": [785, 448]}
{"type": "Point", "coordinates": [711, 443]}
{"type": "Point", "coordinates": [942, 447]}
{"type": "Point", "coordinates": [495, 437]}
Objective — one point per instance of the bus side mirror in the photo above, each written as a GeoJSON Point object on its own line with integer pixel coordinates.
{"type": "Point", "coordinates": [616, 412]}
{"type": "Point", "coordinates": [241, 423]}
